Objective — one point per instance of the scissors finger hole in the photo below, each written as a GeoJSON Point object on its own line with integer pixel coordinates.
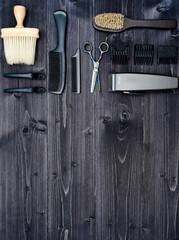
{"type": "Point", "coordinates": [88, 47]}
{"type": "Point", "coordinates": [104, 47]}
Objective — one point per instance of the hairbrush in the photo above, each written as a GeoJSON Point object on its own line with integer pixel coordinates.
{"type": "Point", "coordinates": [20, 41]}
{"type": "Point", "coordinates": [116, 22]}
{"type": "Point", "coordinates": [57, 59]}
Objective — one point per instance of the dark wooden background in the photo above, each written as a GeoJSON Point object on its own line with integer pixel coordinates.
{"type": "Point", "coordinates": [90, 166]}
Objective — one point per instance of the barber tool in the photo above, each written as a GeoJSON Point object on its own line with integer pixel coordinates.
{"type": "Point", "coordinates": [127, 82]}
{"type": "Point", "coordinates": [37, 75]}
{"type": "Point", "coordinates": [167, 55]}
{"type": "Point", "coordinates": [20, 42]}
{"type": "Point", "coordinates": [120, 56]}
{"type": "Point", "coordinates": [143, 54]}
{"type": "Point", "coordinates": [25, 90]}
{"type": "Point", "coordinates": [88, 48]}
{"type": "Point", "coordinates": [116, 22]}
{"type": "Point", "coordinates": [57, 58]}
{"type": "Point", "coordinates": [75, 64]}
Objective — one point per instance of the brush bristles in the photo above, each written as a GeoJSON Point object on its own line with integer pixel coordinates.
{"type": "Point", "coordinates": [20, 50]}
{"type": "Point", "coordinates": [110, 20]}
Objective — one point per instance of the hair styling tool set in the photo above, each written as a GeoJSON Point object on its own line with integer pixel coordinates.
{"type": "Point", "coordinates": [143, 54]}
{"type": "Point", "coordinates": [20, 47]}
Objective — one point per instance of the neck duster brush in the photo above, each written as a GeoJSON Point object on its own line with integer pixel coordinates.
{"type": "Point", "coordinates": [20, 42]}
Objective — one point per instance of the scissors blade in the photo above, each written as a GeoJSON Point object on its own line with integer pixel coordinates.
{"type": "Point", "coordinates": [94, 77]}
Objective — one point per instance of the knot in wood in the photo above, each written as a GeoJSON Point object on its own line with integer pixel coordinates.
{"type": "Point", "coordinates": [25, 130]}
{"type": "Point", "coordinates": [27, 229]}
{"type": "Point", "coordinates": [162, 174]}
{"type": "Point", "coordinates": [27, 188]}
{"type": "Point", "coordinates": [163, 7]}
{"type": "Point", "coordinates": [89, 131]}
{"type": "Point", "coordinates": [73, 164]}
{"type": "Point", "coordinates": [125, 116]}
{"type": "Point", "coordinates": [111, 222]}
{"type": "Point", "coordinates": [132, 225]}
{"type": "Point", "coordinates": [174, 179]}
{"type": "Point", "coordinates": [174, 33]}
{"type": "Point", "coordinates": [54, 175]}
{"type": "Point", "coordinates": [106, 119]}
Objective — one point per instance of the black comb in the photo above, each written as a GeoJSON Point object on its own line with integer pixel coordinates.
{"type": "Point", "coordinates": [75, 67]}
{"type": "Point", "coordinates": [167, 55]}
{"type": "Point", "coordinates": [143, 54]}
{"type": "Point", "coordinates": [120, 56]}
{"type": "Point", "coordinates": [57, 65]}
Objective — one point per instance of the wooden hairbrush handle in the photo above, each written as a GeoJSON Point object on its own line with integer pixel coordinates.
{"type": "Point", "coordinates": [19, 13]}
{"type": "Point", "coordinates": [162, 24]}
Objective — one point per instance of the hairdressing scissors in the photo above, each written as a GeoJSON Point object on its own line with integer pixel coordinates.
{"type": "Point", "coordinates": [88, 48]}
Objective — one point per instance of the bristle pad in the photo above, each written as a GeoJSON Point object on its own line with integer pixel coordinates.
{"type": "Point", "coordinates": [20, 50]}
{"type": "Point", "coordinates": [110, 20]}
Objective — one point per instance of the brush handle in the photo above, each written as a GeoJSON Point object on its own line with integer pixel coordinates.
{"type": "Point", "coordinates": [19, 13]}
{"type": "Point", "coordinates": [162, 24]}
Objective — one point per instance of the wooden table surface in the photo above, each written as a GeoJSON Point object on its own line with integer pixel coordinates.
{"type": "Point", "coordinates": [91, 166]}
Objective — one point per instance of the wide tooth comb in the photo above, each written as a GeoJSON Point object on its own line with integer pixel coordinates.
{"type": "Point", "coordinates": [143, 54]}
{"type": "Point", "coordinates": [120, 56]}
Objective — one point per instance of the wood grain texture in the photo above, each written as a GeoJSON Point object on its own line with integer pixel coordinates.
{"type": "Point", "coordinates": [98, 166]}
{"type": "Point", "coordinates": [23, 153]}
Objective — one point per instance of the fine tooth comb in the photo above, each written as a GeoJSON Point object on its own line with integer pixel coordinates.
{"type": "Point", "coordinates": [57, 58]}
{"type": "Point", "coordinates": [116, 22]}
{"type": "Point", "coordinates": [120, 56]}
{"type": "Point", "coordinates": [167, 55]}
{"type": "Point", "coordinates": [143, 54]}
{"type": "Point", "coordinates": [75, 64]}
{"type": "Point", "coordinates": [20, 42]}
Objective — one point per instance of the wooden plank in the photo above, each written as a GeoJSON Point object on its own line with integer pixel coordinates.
{"type": "Point", "coordinates": [119, 133]}
{"type": "Point", "coordinates": [23, 165]}
{"type": "Point", "coordinates": [71, 161]}
{"type": "Point", "coordinates": [107, 168]}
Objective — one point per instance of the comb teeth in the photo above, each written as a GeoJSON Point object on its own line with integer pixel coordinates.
{"type": "Point", "coordinates": [55, 58]}
{"type": "Point", "coordinates": [75, 68]}
{"type": "Point", "coordinates": [73, 74]}
{"type": "Point", "coordinates": [120, 56]}
{"type": "Point", "coordinates": [167, 55]}
{"type": "Point", "coordinates": [143, 54]}
{"type": "Point", "coordinates": [167, 61]}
